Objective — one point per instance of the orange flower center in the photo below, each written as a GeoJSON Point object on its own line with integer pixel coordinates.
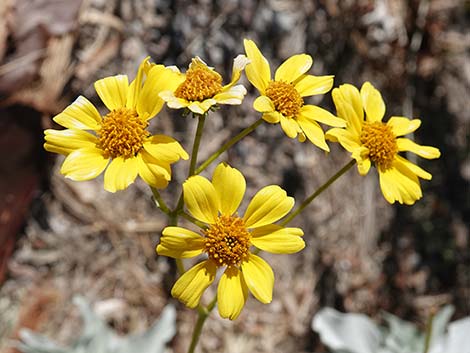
{"type": "Point", "coordinates": [227, 241]}
{"type": "Point", "coordinates": [201, 83]}
{"type": "Point", "coordinates": [381, 143]}
{"type": "Point", "coordinates": [285, 97]}
{"type": "Point", "coordinates": [122, 133]}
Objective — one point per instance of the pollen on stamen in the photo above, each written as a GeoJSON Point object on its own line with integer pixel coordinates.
{"type": "Point", "coordinates": [227, 242]}
{"type": "Point", "coordinates": [285, 98]}
{"type": "Point", "coordinates": [201, 83]}
{"type": "Point", "coordinates": [122, 133]}
{"type": "Point", "coordinates": [381, 143]}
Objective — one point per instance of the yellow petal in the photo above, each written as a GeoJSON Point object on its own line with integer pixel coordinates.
{"type": "Point", "coordinates": [239, 64]}
{"type": "Point", "coordinates": [363, 165]}
{"type": "Point", "coordinates": [67, 141]}
{"type": "Point", "coordinates": [263, 104]}
{"type": "Point", "coordinates": [165, 148]}
{"type": "Point", "coordinates": [349, 107]}
{"type": "Point", "coordinates": [159, 79]}
{"type": "Point", "coordinates": [349, 141]}
{"type": "Point", "coordinates": [400, 184]}
{"type": "Point", "coordinates": [312, 112]}
{"type": "Point", "coordinates": [113, 91]}
{"type": "Point", "coordinates": [309, 85]}
{"type": "Point", "coordinates": [201, 199]}
{"type": "Point", "coordinates": [136, 86]}
{"type": "Point", "coordinates": [278, 240]}
{"type": "Point", "coordinates": [232, 96]}
{"type": "Point", "coordinates": [120, 173]}
{"type": "Point", "coordinates": [414, 168]}
{"type": "Point", "coordinates": [269, 205]}
{"type": "Point", "coordinates": [272, 117]}
{"type": "Point", "coordinates": [230, 187]}
{"type": "Point", "coordinates": [202, 107]}
{"type": "Point", "coordinates": [372, 102]}
{"type": "Point", "coordinates": [81, 115]}
{"type": "Point", "coordinates": [294, 67]}
{"type": "Point", "coordinates": [232, 293]}
{"type": "Point", "coordinates": [172, 101]}
{"type": "Point", "coordinates": [313, 131]}
{"type": "Point", "coordinates": [180, 243]}
{"type": "Point", "coordinates": [427, 152]}
{"type": "Point", "coordinates": [257, 71]}
{"type": "Point", "coordinates": [403, 126]}
{"type": "Point", "coordinates": [259, 278]}
{"type": "Point", "coordinates": [84, 164]}
{"type": "Point", "coordinates": [290, 126]}
{"type": "Point", "coordinates": [154, 174]}
{"type": "Point", "coordinates": [191, 285]}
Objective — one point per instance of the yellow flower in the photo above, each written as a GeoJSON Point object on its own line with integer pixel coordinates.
{"type": "Point", "coordinates": [372, 141]}
{"type": "Point", "coordinates": [120, 138]}
{"type": "Point", "coordinates": [227, 240]}
{"type": "Point", "coordinates": [201, 87]}
{"type": "Point", "coordinates": [282, 99]}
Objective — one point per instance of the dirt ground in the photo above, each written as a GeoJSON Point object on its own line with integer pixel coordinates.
{"type": "Point", "coordinates": [60, 238]}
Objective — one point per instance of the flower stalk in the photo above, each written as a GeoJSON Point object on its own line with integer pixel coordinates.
{"type": "Point", "coordinates": [228, 144]}
{"type": "Point", "coordinates": [322, 188]}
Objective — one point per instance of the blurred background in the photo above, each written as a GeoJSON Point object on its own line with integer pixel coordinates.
{"type": "Point", "coordinates": [60, 238]}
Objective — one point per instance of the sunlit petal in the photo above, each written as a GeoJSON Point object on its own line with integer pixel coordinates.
{"type": "Point", "coordinates": [259, 278]}
{"type": "Point", "coordinates": [191, 285]}
{"type": "Point", "coordinates": [372, 102]}
{"type": "Point", "coordinates": [403, 126]}
{"type": "Point", "coordinates": [312, 112]}
{"type": "Point", "coordinates": [232, 293]}
{"type": "Point", "coordinates": [180, 243]}
{"type": "Point", "coordinates": [120, 173]}
{"type": "Point", "coordinates": [257, 71]}
{"type": "Point", "coordinates": [201, 199]}
{"type": "Point", "coordinates": [263, 104]}
{"type": "Point", "coordinates": [309, 85]}
{"type": "Point", "coordinates": [427, 152]}
{"type": "Point", "coordinates": [230, 187]}
{"type": "Point", "coordinates": [269, 205]}
{"type": "Point", "coordinates": [81, 115]}
{"type": "Point", "coordinates": [294, 67]}
{"type": "Point", "coordinates": [84, 164]}
{"type": "Point", "coordinates": [277, 239]}
{"type": "Point", "coordinates": [313, 131]}
{"type": "Point", "coordinates": [67, 141]}
{"type": "Point", "coordinates": [113, 91]}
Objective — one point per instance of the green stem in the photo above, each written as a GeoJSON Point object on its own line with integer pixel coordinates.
{"type": "Point", "coordinates": [203, 314]}
{"type": "Point", "coordinates": [228, 144]}
{"type": "Point", "coordinates": [322, 188]}
{"type": "Point", "coordinates": [160, 202]}
{"type": "Point", "coordinates": [192, 165]}
{"type": "Point", "coordinates": [192, 219]}
{"type": "Point", "coordinates": [197, 141]}
{"type": "Point", "coordinates": [427, 341]}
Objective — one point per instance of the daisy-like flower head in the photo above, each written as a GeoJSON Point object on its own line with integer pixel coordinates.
{"type": "Point", "coordinates": [373, 142]}
{"type": "Point", "coordinates": [201, 88]}
{"type": "Point", "coordinates": [227, 240]}
{"type": "Point", "coordinates": [282, 98]}
{"type": "Point", "coordinates": [119, 140]}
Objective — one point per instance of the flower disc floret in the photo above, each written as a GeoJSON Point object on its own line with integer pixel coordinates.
{"type": "Point", "coordinates": [122, 133]}
{"type": "Point", "coordinates": [285, 98]}
{"type": "Point", "coordinates": [227, 241]}
{"type": "Point", "coordinates": [379, 139]}
{"type": "Point", "coordinates": [200, 83]}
